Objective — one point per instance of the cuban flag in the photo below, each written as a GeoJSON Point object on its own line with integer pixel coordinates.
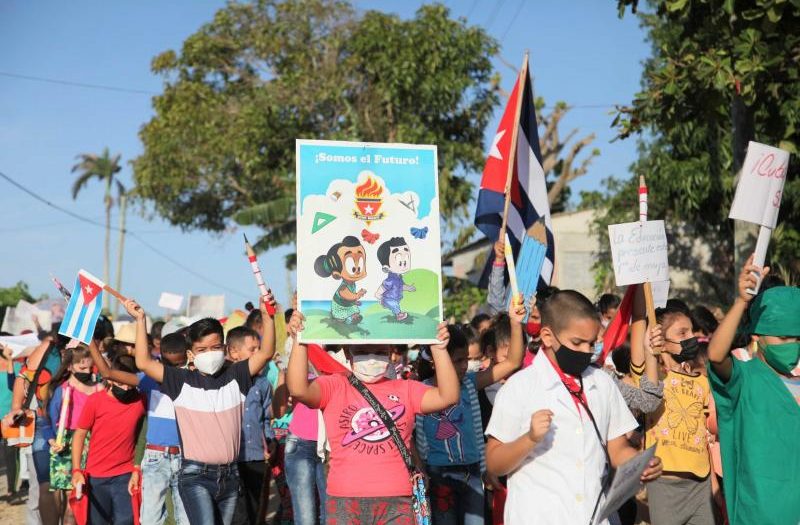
{"type": "Point", "coordinates": [528, 189]}
{"type": "Point", "coordinates": [83, 308]}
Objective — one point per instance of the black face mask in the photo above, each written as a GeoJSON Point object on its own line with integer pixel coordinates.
{"type": "Point", "coordinates": [83, 377]}
{"type": "Point", "coordinates": [124, 396]}
{"type": "Point", "coordinates": [689, 350]}
{"type": "Point", "coordinates": [571, 361]}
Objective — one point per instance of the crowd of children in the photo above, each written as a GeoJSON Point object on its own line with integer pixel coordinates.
{"type": "Point", "coordinates": [520, 416]}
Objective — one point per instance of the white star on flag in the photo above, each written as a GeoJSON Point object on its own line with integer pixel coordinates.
{"type": "Point", "coordinates": [495, 151]}
{"type": "Point", "coordinates": [89, 289]}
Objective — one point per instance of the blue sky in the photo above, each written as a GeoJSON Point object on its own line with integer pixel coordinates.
{"type": "Point", "coordinates": [580, 52]}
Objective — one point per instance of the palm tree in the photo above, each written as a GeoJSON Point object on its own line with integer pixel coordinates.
{"type": "Point", "coordinates": [103, 168]}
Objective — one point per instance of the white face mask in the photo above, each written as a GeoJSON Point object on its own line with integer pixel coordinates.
{"type": "Point", "coordinates": [474, 365]}
{"type": "Point", "coordinates": [370, 368]}
{"type": "Point", "coordinates": [209, 362]}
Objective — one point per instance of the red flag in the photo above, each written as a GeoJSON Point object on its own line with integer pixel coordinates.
{"type": "Point", "coordinates": [495, 172]}
{"type": "Point", "coordinates": [324, 363]}
{"type": "Point", "coordinates": [617, 331]}
{"type": "Point", "coordinates": [136, 498]}
{"type": "Point", "coordinates": [80, 507]}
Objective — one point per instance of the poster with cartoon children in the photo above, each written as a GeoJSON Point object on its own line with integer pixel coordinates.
{"type": "Point", "coordinates": [368, 242]}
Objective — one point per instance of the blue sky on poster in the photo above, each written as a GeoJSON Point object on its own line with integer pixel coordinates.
{"type": "Point", "coordinates": [580, 52]}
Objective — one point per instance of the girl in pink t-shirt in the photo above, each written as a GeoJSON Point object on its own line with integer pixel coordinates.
{"type": "Point", "coordinates": [368, 479]}
{"type": "Point", "coordinates": [73, 383]}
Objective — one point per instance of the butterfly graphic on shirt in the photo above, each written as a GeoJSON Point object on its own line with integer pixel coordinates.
{"type": "Point", "coordinates": [419, 233]}
{"type": "Point", "coordinates": [689, 415]}
{"type": "Point", "coordinates": [447, 431]}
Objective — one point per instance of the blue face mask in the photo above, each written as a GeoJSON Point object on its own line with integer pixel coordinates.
{"type": "Point", "coordinates": [413, 355]}
{"type": "Point", "coordinates": [598, 350]}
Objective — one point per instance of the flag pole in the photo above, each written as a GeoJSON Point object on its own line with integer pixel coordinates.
{"type": "Point", "coordinates": [512, 157]}
{"type": "Point", "coordinates": [647, 287]}
{"type": "Point", "coordinates": [121, 298]}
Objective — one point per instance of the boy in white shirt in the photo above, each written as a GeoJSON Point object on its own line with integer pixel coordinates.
{"type": "Point", "coordinates": [557, 423]}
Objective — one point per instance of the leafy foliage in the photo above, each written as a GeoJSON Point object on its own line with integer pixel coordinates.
{"type": "Point", "coordinates": [14, 294]}
{"type": "Point", "coordinates": [460, 296]}
{"type": "Point", "coordinates": [263, 73]}
{"type": "Point", "coordinates": [714, 62]}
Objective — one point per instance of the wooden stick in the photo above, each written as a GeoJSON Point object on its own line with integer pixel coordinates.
{"type": "Point", "coordinates": [121, 298]}
{"type": "Point", "coordinates": [512, 157]}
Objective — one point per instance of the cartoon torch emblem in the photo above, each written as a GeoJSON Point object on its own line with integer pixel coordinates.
{"type": "Point", "coordinates": [369, 200]}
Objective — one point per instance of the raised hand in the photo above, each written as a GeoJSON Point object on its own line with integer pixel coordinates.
{"type": "Point", "coordinates": [747, 279]}
{"type": "Point", "coordinates": [262, 304]}
{"type": "Point", "coordinates": [133, 308]}
{"type": "Point", "coordinates": [516, 310]}
{"type": "Point", "coordinates": [443, 336]}
{"type": "Point", "coordinates": [654, 342]}
{"type": "Point", "coordinates": [500, 250]}
{"type": "Point", "coordinates": [296, 323]}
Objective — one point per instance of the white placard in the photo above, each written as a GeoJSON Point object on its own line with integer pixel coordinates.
{"type": "Point", "coordinates": [170, 301]}
{"type": "Point", "coordinates": [758, 195]}
{"type": "Point", "coordinates": [660, 293]}
{"type": "Point", "coordinates": [639, 252]}
{"type": "Point", "coordinates": [20, 344]}
{"type": "Point", "coordinates": [206, 306]}
{"type": "Point", "coordinates": [625, 484]}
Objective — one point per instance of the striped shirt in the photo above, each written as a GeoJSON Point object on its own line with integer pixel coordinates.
{"type": "Point", "coordinates": [209, 411]}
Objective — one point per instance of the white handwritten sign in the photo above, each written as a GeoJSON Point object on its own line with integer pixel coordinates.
{"type": "Point", "coordinates": [660, 293]}
{"type": "Point", "coordinates": [639, 252]}
{"type": "Point", "coordinates": [758, 195]}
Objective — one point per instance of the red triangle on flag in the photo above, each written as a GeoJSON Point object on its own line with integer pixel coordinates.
{"type": "Point", "coordinates": [495, 172]}
{"type": "Point", "coordinates": [89, 288]}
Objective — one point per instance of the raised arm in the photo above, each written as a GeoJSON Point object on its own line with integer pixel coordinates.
{"type": "Point", "coordinates": [497, 287]}
{"type": "Point", "coordinates": [300, 388]}
{"type": "Point", "coordinates": [644, 340]}
{"type": "Point", "coordinates": [144, 361]}
{"type": "Point", "coordinates": [516, 353]}
{"type": "Point", "coordinates": [106, 372]}
{"type": "Point", "coordinates": [719, 347]}
{"type": "Point", "coordinates": [447, 389]}
{"type": "Point", "coordinates": [260, 358]}
{"type": "Point", "coordinates": [280, 398]}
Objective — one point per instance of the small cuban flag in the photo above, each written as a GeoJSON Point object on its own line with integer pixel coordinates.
{"type": "Point", "coordinates": [83, 308]}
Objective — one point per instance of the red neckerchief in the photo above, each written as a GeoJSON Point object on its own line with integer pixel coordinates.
{"type": "Point", "coordinates": [575, 390]}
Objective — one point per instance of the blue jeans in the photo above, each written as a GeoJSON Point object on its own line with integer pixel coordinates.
{"type": "Point", "coordinates": [209, 492]}
{"type": "Point", "coordinates": [159, 474]}
{"type": "Point", "coordinates": [109, 500]}
{"type": "Point", "coordinates": [306, 477]}
{"type": "Point", "coordinates": [41, 452]}
{"type": "Point", "coordinates": [456, 494]}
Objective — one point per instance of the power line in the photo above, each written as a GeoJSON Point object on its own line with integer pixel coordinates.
{"type": "Point", "coordinates": [78, 84]}
{"type": "Point", "coordinates": [133, 234]}
{"type": "Point", "coordinates": [493, 16]}
{"type": "Point", "coordinates": [513, 19]}
{"type": "Point", "coordinates": [471, 9]}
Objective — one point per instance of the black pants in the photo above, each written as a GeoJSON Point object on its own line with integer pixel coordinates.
{"type": "Point", "coordinates": [251, 477]}
{"type": "Point", "coordinates": [11, 459]}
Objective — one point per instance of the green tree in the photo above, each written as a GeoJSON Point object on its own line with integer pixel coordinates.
{"type": "Point", "coordinates": [220, 147]}
{"type": "Point", "coordinates": [722, 72]}
{"type": "Point", "coordinates": [12, 295]}
{"type": "Point", "coordinates": [460, 297]}
{"type": "Point", "coordinates": [104, 168]}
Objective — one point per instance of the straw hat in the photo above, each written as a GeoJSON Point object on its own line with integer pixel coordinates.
{"type": "Point", "coordinates": [126, 333]}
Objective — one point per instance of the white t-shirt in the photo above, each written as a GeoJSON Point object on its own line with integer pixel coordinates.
{"type": "Point", "coordinates": [560, 480]}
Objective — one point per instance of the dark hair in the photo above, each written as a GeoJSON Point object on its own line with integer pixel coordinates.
{"type": "Point", "coordinates": [607, 301]}
{"type": "Point", "coordinates": [155, 330]}
{"type": "Point", "coordinates": [237, 335]}
{"type": "Point", "coordinates": [703, 320]}
{"type": "Point", "coordinates": [423, 367]}
{"type": "Point", "coordinates": [174, 343]}
{"type": "Point", "coordinates": [770, 281]}
{"type": "Point", "coordinates": [326, 265]}
{"type": "Point", "coordinates": [253, 319]}
{"type": "Point", "coordinates": [471, 334]}
{"type": "Point", "coordinates": [544, 294]}
{"type": "Point", "coordinates": [498, 333]}
{"type": "Point", "coordinates": [249, 306]}
{"type": "Point", "coordinates": [124, 363]}
{"type": "Point", "coordinates": [204, 327]}
{"type": "Point", "coordinates": [385, 249]}
{"type": "Point", "coordinates": [565, 306]}
{"type": "Point", "coordinates": [478, 319]}
{"type": "Point", "coordinates": [667, 316]}
{"type": "Point", "coordinates": [103, 329]}
{"type": "Point", "coordinates": [288, 314]}
{"type": "Point", "coordinates": [458, 341]}
{"type": "Point", "coordinates": [71, 356]}
{"type": "Point", "coordinates": [621, 356]}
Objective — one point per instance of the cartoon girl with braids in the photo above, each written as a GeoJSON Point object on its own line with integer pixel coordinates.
{"type": "Point", "coordinates": [345, 260]}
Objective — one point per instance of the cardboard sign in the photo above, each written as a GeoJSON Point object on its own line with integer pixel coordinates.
{"type": "Point", "coordinates": [758, 195]}
{"type": "Point", "coordinates": [170, 301]}
{"type": "Point", "coordinates": [639, 252]}
{"type": "Point", "coordinates": [206, 306]}
{"type": "Point", "coordinates": [368, 242]}
{"type": "Point", "coordinates": [660, 293]}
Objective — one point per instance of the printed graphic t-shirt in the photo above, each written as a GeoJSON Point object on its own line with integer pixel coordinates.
{"type": "Point", "coordinates": [113, 428]}
{"type": "Point", "coordinates": [209, 411]}
{"type": "Point", "coordinates": [364, 459]}
{"type": "Point", "coordinates": [679, 424]}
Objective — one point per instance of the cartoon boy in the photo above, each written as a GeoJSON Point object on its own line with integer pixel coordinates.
{"type": "Point", "coordinates": [395, 259]}
{"type": "Point", "coordinates": [345, 260]}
